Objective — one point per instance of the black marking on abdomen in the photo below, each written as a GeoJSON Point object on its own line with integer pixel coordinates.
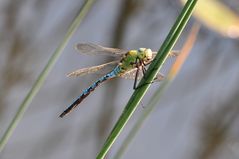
{"type": "Point", "coordinates": [87, 91]}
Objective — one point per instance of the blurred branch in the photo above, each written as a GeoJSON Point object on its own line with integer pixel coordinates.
{"type": "Point", "coordinates": [41, 78]}
{"type": "Point", "coordinates": [218, 17]}
{"type": "Point", "coordinates": [216, 126]}
{"type": "Point", "coordinates": [12, 72]}
{"type": "Point", "coordinates": [127, 9]}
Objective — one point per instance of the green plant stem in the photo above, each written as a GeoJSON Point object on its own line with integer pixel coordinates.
{"type": "Point", "coordinates": [153, 101]}
{"type": "Point", "coordinates": [158, 94]}
{"type": "Point", "coordinates": [41, 78]}
{"type": "Point", "coordinates": [149, 76]}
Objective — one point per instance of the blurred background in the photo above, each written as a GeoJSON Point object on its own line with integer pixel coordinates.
{"type": "Point", "coordinates": [196, 118]}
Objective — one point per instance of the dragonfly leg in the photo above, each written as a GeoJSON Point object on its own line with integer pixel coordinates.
{"type": "Point", "coordinates": [144, 70]}
{"type": "Point", "coordinates": [136, 78]}
{"type": "Point", "coordinates": [141, 66]}
{"type": "Point", "coordinates": [137, 74]}
{"type": "Point", "coordinates": [144, 84]}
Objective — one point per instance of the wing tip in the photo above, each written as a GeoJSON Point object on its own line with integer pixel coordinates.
{"type": "Point", "coordinates": [78, 46]}
{"type": "Point", "coordinates": [70, 74]}
{"type": "Point", "coordinates": [174, 53]}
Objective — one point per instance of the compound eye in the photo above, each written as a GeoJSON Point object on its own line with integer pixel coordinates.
{"type": "Point", "coordinates": [141, 49]}
{"type": "Point", "coordinates": [148, 53]}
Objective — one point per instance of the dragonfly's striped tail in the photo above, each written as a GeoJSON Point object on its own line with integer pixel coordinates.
{"type": "Point", "coordinates": [87, 91]}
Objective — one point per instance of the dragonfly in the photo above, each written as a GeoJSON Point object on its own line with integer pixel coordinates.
{"type": "Point", "coordinates": [128, 64]}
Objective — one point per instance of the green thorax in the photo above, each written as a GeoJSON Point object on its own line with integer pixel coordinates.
{"type": "Point", "coordinates": [130, 59]}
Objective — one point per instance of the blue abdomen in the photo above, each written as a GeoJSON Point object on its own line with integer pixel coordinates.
{"type": "Point", "coordinates": [87, 91]}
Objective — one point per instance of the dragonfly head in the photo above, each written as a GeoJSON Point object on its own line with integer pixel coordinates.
{"type": "Point", "coordinates": [145, 54]}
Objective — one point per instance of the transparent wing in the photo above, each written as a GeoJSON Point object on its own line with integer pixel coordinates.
{"type": "Point", "coordinates": [132, 73]}
{"type": "Point", "coordinates": [93, 49]}
{"type": "Point", "coordinates": [93, 69]}
{"type": "Point", "coordinates": [172, 53]}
